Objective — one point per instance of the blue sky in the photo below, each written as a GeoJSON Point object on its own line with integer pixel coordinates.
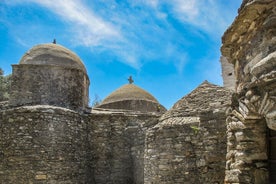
{"type": "Point", "coordinates": [168, 46]}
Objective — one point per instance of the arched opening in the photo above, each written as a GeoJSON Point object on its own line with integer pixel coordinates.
{"type": "Point", "coordinates": [272, 155]}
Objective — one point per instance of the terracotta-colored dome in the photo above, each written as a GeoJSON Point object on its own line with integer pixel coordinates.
{"type": "Point", "coordinates": [52, 54]}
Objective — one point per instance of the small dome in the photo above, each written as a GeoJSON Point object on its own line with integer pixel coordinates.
{"type": "Point", "coordinates": [52, 54]}
{"type": "Point", "coordinates": [132, 97]}
{"type": "Point", "coordinates": [129, 92]}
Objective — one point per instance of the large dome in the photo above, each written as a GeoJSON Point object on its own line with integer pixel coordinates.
{"type": "Point", "coordinates": [49, 74]}
{"type": "Point", "coordinates": [52, 54]}
{"type": "Point", "coordinates": [131, 97]}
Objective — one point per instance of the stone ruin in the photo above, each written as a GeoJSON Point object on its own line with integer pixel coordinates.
{"type": "Point", "coordinates": [188, 145]}
{"type": "Point", "coordinates": [212, 135]}
{"type": "Point", "coordinates": [250, 45]}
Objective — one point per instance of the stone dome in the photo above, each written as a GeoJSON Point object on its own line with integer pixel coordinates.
{"type": "Point", "coordinates": [129, 92]}
{"type": "Point", "coordinates": [131, 97]}
{"type": "Point", "coordinates": [49, 74]}
{"type": "Point", "coordinates": [52, 54]}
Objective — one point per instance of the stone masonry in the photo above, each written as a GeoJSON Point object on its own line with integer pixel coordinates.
{"type": "Point", "coordinates": [47, 144]}
{"type": "Point", "coordinates": [42, 143]}
{"type": "Point", "coordinates": [67, 87]}
{"type": "Point", "coordinates": [117, 146]}
{"type": "Point", "coordinates": [48, 134]}
{"type": "Point", "coordinates": [250, 45]}
{"type": "Point", "coordinates": [188, 145]}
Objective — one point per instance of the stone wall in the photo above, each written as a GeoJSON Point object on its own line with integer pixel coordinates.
{"type": "Point", "coordinates": [188, 145]}
{"type": "Point", "coordinates": [250, 44]}
{"type": "Point", "coordinates": [246, 151]}
{"type": "Point", "coordinates": [137, 133]}
{"type": "Point", "coordinates": [4, 105]}
{"type": "Point", "coordinates": [117, 146]}
{"type": "Point", "coordinates": [110, 150]}
{"type": "Point", "coordinates": [47, 144]}
{"type": "Point", "coordinates": [186, 150]}
{"type": "Point", "coordinates": [49, 85]}
{"type": "Point", "coordinates": [42, 144]}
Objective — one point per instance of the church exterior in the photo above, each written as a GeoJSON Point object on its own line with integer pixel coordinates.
{"type": "Point", "coordinates": [212, 135]}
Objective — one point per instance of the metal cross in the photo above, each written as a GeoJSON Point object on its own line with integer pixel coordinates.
{"type": "Point", "coordinates": [130, 80]}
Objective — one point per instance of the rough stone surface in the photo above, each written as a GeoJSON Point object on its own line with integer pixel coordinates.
{"type": "Point", "coordinates": [203, 139]}
{"type": "Point", "coordinates": [52, 54]}
{"type": "Point", "coordinates": [47, 144]}
{"type": "Point", "coordinates": [48, 135]}
{"type": "Point", "coordinates": [188, 145]}
{"type": "Point", "coordinates": [4, 105]}
{"type": "Point", "coordinates": [132, 97]}
{"type": "Point", "coordinates": [206, 97]}
{"type": "Point", "coordinates": [42, 145]}
{"type": "Point", "coordinates": [117, 147]}
{"type": "Point", "coordinates": [49, 85]}
{"type": "Point", "coordinates": [249, 44]}
{"type": "Point", "coordinates": [250, 39]}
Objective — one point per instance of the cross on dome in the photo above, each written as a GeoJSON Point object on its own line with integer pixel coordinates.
{"type": "Point", "coordinates": [130, 80]}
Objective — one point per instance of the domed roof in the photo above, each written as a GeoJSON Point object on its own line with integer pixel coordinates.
{"type": "Point", "coordinates": [131, 97]}
{"type": "Point", "coordinates": [52, 54]}
{"type": "Point", "coordinates": [129, 92]}
{"type": "Point", "coordinates": [205, 97]}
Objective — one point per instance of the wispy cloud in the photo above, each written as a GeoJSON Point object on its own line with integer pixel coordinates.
{"type": "Point", "coordinates": [116, 28]}
{"type": "Point", "coordinates": [188, 9]}
{"type": "Point", "coordinates": [133, 31]}
{"type": "Point", "coordinates": [210, 16]}
{"type": "Point", "coordinates": [85, 23]}
{"type": "Point", "coordinates": [152, 3]}
{"type": "Point", "coordinates": [85, 28]}
{"type": "Point", "coordinates": [145, 33]}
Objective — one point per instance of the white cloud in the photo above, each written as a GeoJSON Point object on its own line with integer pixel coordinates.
{"type": "Point", "coordinates": [210, 16]}
{"type": "Point", "coordinates": [188, 9]}
{"type": "Point", "coordinates": [202, 14]}
{"type": "Point", "coordinates": [181, 63]}
{"type": "Point", "coordinates": [179, 57]}
{"type": "Point", "coordinates": [152, 3]}
{"type": "Point", "coordinates": [86, 28]}
{"type": "Point", "coordinates": [133, 31]}
{"type": "Point", "coordinates": [83, 21]}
